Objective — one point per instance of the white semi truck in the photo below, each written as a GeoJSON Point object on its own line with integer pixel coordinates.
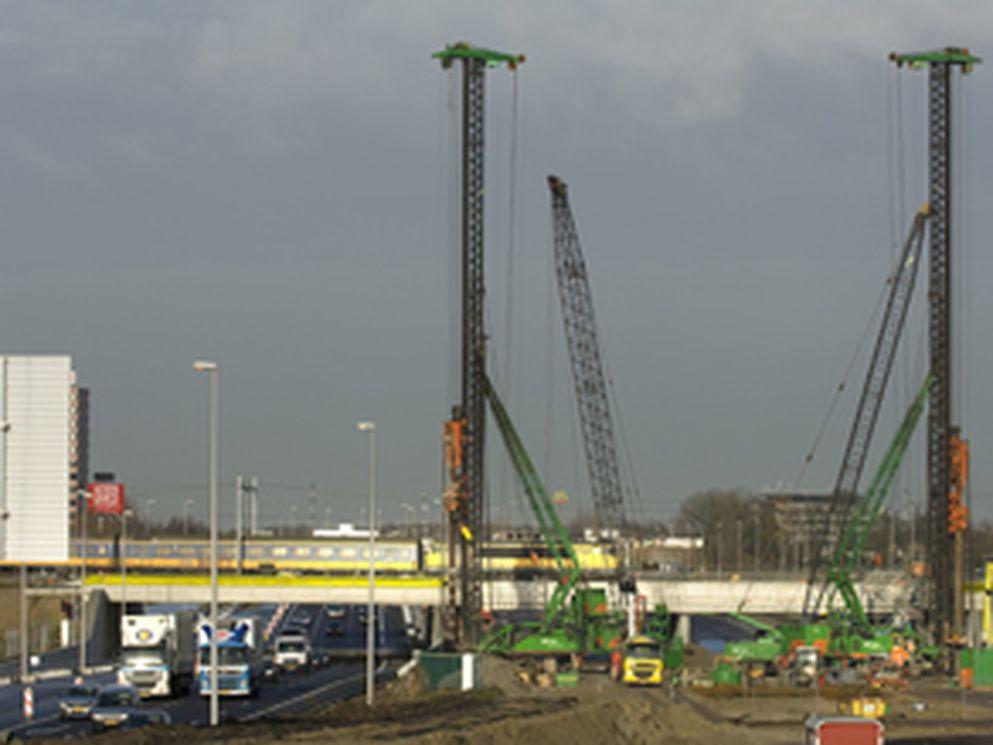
{"type": "Point", "coordinates": [158, 653]}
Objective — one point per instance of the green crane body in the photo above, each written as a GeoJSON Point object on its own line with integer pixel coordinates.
{"type": "Point", "coordinates": [849, 632]}
{"type": "Point", "coordinates": [953, 55]}
{"type": "Point", "coordinates": [769, 645]}
{"type": "Point", "coordinates": [462, 50]}
{"type": "Point", "coordinates": [849, 548]}
{"type": "Point", "coordinates": [552, 530]}
{"type": "Point", "coordinates": [576, 619]}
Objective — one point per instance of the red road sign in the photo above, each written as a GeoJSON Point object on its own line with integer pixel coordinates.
{"type": "Point", "coordinates": [106, 498]}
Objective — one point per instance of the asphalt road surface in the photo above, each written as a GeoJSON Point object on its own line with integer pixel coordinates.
{"type": "Point", "coordinates": [340, 676]}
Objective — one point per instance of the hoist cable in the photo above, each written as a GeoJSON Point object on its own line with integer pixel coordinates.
{"type": "Point", "coordinates": [840, 389]}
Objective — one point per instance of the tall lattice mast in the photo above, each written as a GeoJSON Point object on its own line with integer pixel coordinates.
{"type": "Point", "coordinates": [587, 366]}
{"type": "Point", "coordinates": [945, 596]}
{"type": "Point", "coordinates": [465, 500]}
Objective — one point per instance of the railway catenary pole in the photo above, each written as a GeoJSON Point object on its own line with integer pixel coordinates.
{"type": "Point", "coordinates": [941, 525]}
{"type": "Point", "coordinates": [466, 502]}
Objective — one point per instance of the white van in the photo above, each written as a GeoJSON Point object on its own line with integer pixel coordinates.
{"type": "Point", "coordinates": [292, 652]}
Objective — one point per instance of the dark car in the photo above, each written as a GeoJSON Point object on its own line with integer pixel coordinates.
{"type": "Point", "coordinates": [77, 702]}
{"type": "Point", "coordinates": [335, 628]}
{"type": "Point", "coordinates": [114, 706]}
{"type": "Point", "coordinates": [144, 717]}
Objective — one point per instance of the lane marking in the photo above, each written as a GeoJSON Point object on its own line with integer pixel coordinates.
{"type": "Point", "coordinates": [314, 692]}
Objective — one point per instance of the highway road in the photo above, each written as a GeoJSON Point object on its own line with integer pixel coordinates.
{"type": "Point", "coordinates": [342, 676]}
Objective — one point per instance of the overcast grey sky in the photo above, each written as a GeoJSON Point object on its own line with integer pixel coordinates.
{"type": "Point", "coordinates": [264, 184]}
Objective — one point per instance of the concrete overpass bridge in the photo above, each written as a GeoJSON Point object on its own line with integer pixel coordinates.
{"type": "Point", "coordinates": [881, 593]}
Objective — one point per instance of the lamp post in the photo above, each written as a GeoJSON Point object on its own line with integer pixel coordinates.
{"type": "Point", "coordinates": [211, 369]}
{"type": "Point", "coordinates": [148, 514]}
{"type": "Point", "coordinates": [125, 514]}
{"type": "Point", "coordinates": [239, 521]}
{"type": "Point", "coordinates": [370, 628]}
{"type": "Point", "coordinates": [81, 497]}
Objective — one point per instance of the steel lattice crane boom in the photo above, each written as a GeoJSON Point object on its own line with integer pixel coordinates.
{"type": "Point", "coordinates": [586, 362]}
{"type": "Point", "coordinates": [870, 402]}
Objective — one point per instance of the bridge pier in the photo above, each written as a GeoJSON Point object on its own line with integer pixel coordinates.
{"type": "Point", "coordinates": [684, 627]}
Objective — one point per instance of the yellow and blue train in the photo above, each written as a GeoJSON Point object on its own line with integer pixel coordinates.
{"type": "Point", "coordinates": [328, 556]}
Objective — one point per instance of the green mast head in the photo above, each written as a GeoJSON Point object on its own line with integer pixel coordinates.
{"type": "Point", "coordinates": [464, 50]}
{"type": "Point", "coordinates": [951, 55]}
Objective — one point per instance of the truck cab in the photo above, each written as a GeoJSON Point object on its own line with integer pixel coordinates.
{"type": "Point", "coordinates": [843, 731]}
{"type": "Point", "coordinates": [240, 664]}
{"type": "Point", "coordinates": [643, 663]}
{"type": "Point", "coordinates": [157, 653]}
{"type": "Point", "coordinates": [292, 652]}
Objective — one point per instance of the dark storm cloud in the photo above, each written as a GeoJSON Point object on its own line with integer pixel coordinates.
{"type": "Point", "coordinates": [259, 183]}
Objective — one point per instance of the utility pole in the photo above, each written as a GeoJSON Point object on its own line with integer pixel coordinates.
{"type": "Point", "coordinates": [945, 518]}
{"type": "Point", "coordinates": [25, 638]}
{"type": "Point", "coordinates": [719, 545]}
{"type": "Point", "coordinates": [739, 564]}
{"type": "Point", "coordinates": [239, 521]}
{"type": "Point", "coordinates": [313, 505]}
{"type": "Point", "coordinates": [83, 558]}
{"type": "Point", "coordinates": [254, 486]}
{"type": "Point", "coordinates": [465, 504]}
{"type": "Point", "coordinates": [757, 543]}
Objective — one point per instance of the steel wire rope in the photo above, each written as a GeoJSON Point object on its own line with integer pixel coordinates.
{"type": "Point", "coordinates": [897, 189]}
{"type": "Point", "coordinates": [840, 389]}
{"type": "Point", "coordinates": [550, 355]}
{"type": "Point", "coordinates": [964, 171]}
{"type": "Point", "coordinates": [512, 279]}
{"type": "Point", "coordinates": [627, 462]}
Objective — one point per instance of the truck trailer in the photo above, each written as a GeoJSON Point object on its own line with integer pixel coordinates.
{"type": "Point", "coordinates": [157, 653]}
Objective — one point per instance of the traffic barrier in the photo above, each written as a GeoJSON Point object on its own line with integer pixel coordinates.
{"type": "Point", "coordinates": [28, 702]}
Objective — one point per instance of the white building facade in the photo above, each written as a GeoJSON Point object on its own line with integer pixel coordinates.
{"type": "Point", "coordinates": [34, 457]}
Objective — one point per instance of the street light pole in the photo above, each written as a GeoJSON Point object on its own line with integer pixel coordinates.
{"type": "Point", "coordinates": [81, 497]}
{"type": "Point", "coordinates": [239, 523]}
{"type": "Point", "coordinates": [125, 514]}
{"type": "Point", "coordinates": [187, 504]}
{"type": "Point", "coordinates": [211, 369]}
{"type": "Point", "coordinates": [370, 629]}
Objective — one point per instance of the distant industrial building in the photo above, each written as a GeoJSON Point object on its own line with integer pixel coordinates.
{"type": "Point", "coordinates": [79, 438]}
{"type": "Point", "coordinates": [803, 520]}
{"type": "Point", "coordinates": [34, 457]}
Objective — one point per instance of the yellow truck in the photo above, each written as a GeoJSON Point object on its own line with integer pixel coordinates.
{"type": "Point", "coordinates": [643, 663]}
